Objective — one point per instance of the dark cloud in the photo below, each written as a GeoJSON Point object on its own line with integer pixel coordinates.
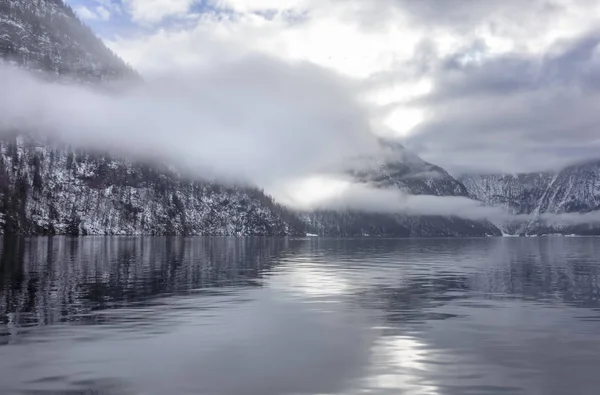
{"type": "Point", "coordinates": [514, 112]}
{"type": "Point", "coordinates": [464, 15]}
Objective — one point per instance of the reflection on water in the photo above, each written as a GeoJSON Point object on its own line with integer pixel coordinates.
{"type": "Point", "coordinates": [51, 280]}
{"type": "Point", "coordinates": [299, 316]}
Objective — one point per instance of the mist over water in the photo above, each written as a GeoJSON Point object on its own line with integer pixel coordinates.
{"type": "Point", "coordinates": [297, 316]}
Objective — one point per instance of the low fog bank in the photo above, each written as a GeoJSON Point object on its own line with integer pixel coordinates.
{"type": "Point", "coordinates": [571, 219]}
{"type": "Point", "coordinates": [257, 120]}
{"type": "Point", "coordinates": [344, 195]}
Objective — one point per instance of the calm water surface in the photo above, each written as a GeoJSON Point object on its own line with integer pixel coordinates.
{"type": "Point", "coordinates": [221, 316]}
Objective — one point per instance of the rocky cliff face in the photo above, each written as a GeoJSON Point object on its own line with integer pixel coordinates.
{"type": "Point", "coordinates": [517, 193]}
{"type": "Point", "coordinates": [574, 189]}
{"type": "Point", "coordinates": [543, 199]}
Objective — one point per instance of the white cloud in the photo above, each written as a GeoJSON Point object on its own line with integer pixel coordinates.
{"type": "Point", "coordinates": [112, 6]}
{"type": "Point", "coordinates": [258, 119]}
{"type": "Point", "coordinates": [325, 36]}
{"type": "Point", "coordinates": [260, 5]}
{"type": "Point", "coordinates": [85, 13]}
{"type": "Point", "coordinates": [392, 48]}
{"type": "Point", "coordinates": [103, 13]}
{"type": "Point", "coordinates": [97, 13]}
{"type": "Point", "coordinates": [329, 193]}
{"type": "Point", "coordinates": [569, 219]}
{"type": "Point", "coordinates": [404, 119]}
{"type": "Point", "coordinates": [152, 11]}
{"type": "Point", "coordinates": [400, 54]}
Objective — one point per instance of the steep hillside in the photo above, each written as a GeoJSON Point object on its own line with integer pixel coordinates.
{"type": "Point", "coordinates": [58, 190]}
{"type": "Point", "coordinates": [517, 193]}
{"type": "Point", "coordinates": [46, 35]}
{"type": "Point", "coordinates": [574, 189]}
{"type": "Point", "coordinates": [544, 200]}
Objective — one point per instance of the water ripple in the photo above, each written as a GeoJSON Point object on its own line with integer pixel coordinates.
{"type": "Point", "coordinates": [299, 316]}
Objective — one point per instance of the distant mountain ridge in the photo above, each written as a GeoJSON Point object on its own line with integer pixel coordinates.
{"type": "Point", "coordinates": [399, 168]}
{"type": "Point", "coordinates": [517, 193]}
{"type": "Point", "coordinates": [402, 169]}
{"type": "Point", "coordinates": [574, 189]}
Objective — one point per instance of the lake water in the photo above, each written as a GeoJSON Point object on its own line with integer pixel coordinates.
{"type": "Point", "coordinates": [227, 316]}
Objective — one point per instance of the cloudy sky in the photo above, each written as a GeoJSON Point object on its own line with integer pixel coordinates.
{"type": "Point", "coordinates": [489, 85]}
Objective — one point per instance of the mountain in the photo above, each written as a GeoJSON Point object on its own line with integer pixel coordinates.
{"type": "Point", "coordinates": [574, 189]}
{"type": "Point", "coordinates": [544, 200]}
{"type": "Point", "coordinates": [49, 188]}
{"type": "Point", "coordinates": [46, 35]}
{"type": "Point", "coordinates": [399, 168]}
{"type": "Point", "coordinates": [517, 193]}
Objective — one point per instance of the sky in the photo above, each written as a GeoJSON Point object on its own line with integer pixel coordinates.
{"type": "Point", "coordinates": [473, 86]}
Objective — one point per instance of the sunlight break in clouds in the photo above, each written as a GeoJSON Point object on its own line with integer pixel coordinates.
{"type": "Point", "coordinates": [480, 62]}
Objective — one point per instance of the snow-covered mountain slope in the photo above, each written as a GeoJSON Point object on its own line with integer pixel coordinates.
{"type": "Point", "coordinates": [399, 168]}
{"type": "Point", "coordinates": [574, 189]}
{"type": "Point", "coordinates": [46, 190]}
{"type": "Point", "coordinates": [544, 200]}
{"type": "Point", "coordinates": [45, 35]}
{"type": "Point", "coordinates": [517, 193]}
